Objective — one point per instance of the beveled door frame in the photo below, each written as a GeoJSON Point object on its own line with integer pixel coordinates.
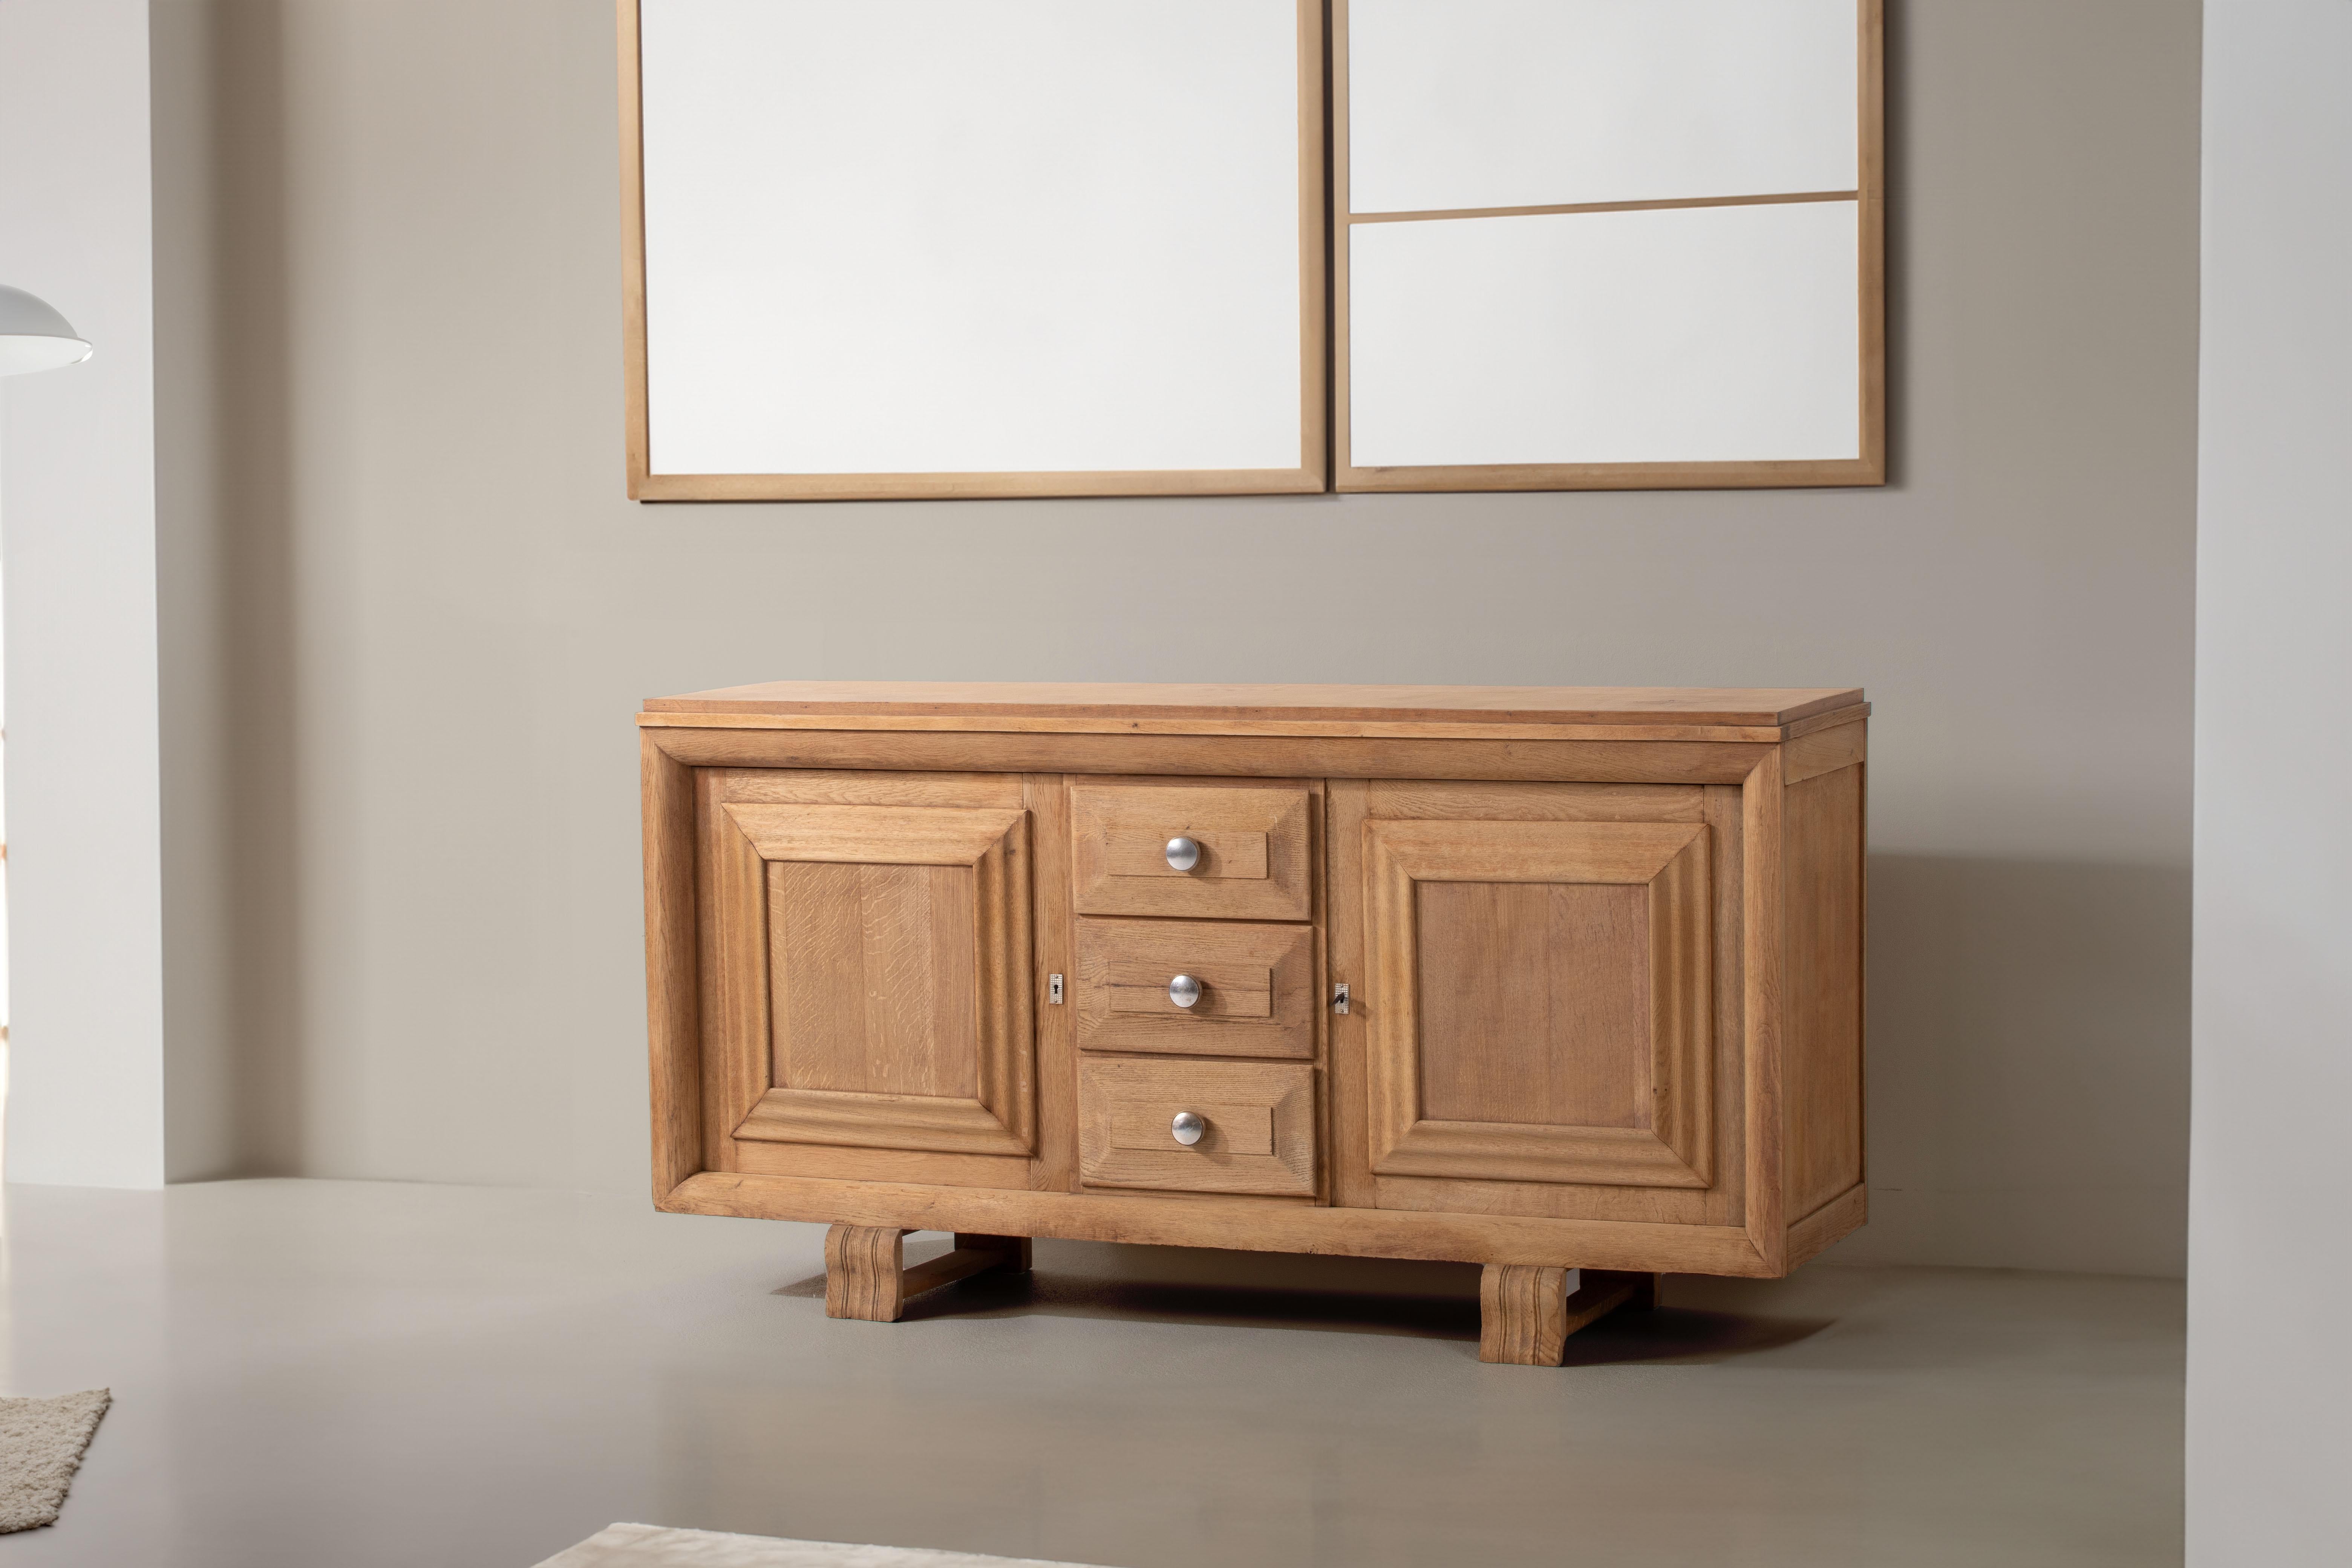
{"type": "Point", "coordinates": [994, 843]}
{"type": "Point", "coordinates": [1671, 860]}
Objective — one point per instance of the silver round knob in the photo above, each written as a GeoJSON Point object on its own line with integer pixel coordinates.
{"type": "Point", "coordinates": [1188, 1126]}
{"type": "Point", "coordinates": [1184, 990]}
{"type": "Point", "coordinates": [1183, 853]}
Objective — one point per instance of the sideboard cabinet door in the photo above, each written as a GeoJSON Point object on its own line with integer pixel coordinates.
{"type": "Point", "coordinates": [865, 971]}
{"type": "Point", "coordinates": [1537, 990]}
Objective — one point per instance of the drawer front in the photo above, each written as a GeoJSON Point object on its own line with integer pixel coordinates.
{"type": "Point", "coordinates": [1259, 1133]}
{"type": "Point", "coordinates": [1253, 850]}
{"type": "Point", "coordinates": [1255, 988]}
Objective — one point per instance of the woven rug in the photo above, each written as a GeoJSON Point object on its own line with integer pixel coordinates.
{"type": "Point", "coordinates": [41, 1443]}
{"type": "Point", "coordinates": [650, 1546]}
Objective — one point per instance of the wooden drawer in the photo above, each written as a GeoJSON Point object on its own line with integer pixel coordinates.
{"type": "Point", "coordinates": [1257, 988]}
{"type": "Point", "coordinates": [1260, 1136]}
{"type": "Point", "coordinates": [1255, 850]}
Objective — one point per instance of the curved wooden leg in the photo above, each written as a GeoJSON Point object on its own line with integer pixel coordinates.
{"type": "Point", "coordinates": [865, 1273]}
{"type": "Point", "coordinates": [1526, 1311]}
{"type": "Point", "coordinates": [866, 1277]}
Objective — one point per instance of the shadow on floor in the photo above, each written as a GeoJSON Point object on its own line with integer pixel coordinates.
{"type": "Point", "coordinates": [1671, 1335]}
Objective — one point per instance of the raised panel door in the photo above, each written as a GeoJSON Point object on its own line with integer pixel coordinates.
{"type": "Point", "coordinates": [1538, 995]}
{"type": "Point", "coordinates": [867, 965]}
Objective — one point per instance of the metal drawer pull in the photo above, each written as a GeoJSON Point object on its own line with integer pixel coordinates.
{"type": "Point", "coordinates": [1184, 990]}
{"type": "Point", "coordinates": [1188, 1126]}
{"type": "Point", "coordinates": [1183, 854]}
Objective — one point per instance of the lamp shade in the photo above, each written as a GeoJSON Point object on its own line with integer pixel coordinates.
{"type": "Point", "coordinates": [34, 337]}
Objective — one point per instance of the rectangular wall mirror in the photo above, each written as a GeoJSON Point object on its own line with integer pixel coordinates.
{"type": "Point", "coordinates": [1605, 244]}
{"type": "Point", "coordinates": [973, 247]}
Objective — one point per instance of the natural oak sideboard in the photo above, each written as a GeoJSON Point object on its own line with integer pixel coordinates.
{"type": "Point", "coordinates": [1563, 981]}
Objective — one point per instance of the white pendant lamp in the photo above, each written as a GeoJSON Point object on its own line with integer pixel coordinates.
{"type": "Point", "coordinates": [34, 337]}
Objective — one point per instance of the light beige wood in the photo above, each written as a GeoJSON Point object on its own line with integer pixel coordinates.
{"type": "Point", "coordinates": [1311, 474]}
{"type": "Point", "coordinates": [1411, 798]}
{"type": "Point", "coordinates": [1868, 468]}
{"type": "Point", "coordinates": [1773, 967]}
{"type": "Point", "coordinates": [866, 1277]}
{"type": "Point", "coordinates": [1258, 997]}
{"type": "Point", "coordinates": [1254, 848]}
{"type": "Point", "coordinates": [1361, 727]}
{"type": "Point", "coordinates": [1260, 1136]}
{"type": "Point", "coordinates": [1522, 1314]}
{"type": "Point", "coordinates": [1346, 1117]}
{"type": "Point", "coordinates": [1870, 233]}
{"type": "Point", "coordinates": [865, 1272]}
{"type": "Point", "coordinates": [638, 450]}
{"type": "Point", "coordinates": [1525, 1313]}
{"type": "Point", "coordinates": [737, 1050]}
{"type": "Point", "coordinates": [869, 972]}
{"type": "Point", "coordinates": [1822, 1049]}
{"type": "Point", "coordinates": [1722, 1203]}
{"type": "Point", "coordinates": [1248, 1225]}
{"type": "Point", "coordinates": [1054, 1167]}
{"type": "Point", "coordinates": [1464, 978]}
{"type": "Point", "coordinates": [844, 1163]}
{"type": "Point", "coordinates": [1839, 1217]}
{"type": "Point", "coordinates": [1760, 910]}
{"type": "Point", "coordinates": [672, 1017]}
{"type": "Point", "coordinates": [833, 786]}
{"type": "Point", "coordinates": [1670, 204]}
{"type": "Point", "coordinates": [1824, 751]}
{"type": "Point", "coordinates": [1418, 705]}
{"type": "Point", "coordinates": [1667, 762]}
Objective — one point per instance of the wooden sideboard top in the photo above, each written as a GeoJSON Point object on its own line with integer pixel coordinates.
{"type": "Point", "coordinates": [1657, 712]}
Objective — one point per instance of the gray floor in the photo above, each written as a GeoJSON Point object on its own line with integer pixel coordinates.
{"type": "Point", "coordinates": [324, 1375]}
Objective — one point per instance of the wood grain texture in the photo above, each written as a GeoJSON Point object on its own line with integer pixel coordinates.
{"type": "Point", "coordinates": [1258, 994]}
{"type": "Point", "coordinates": [1824, 1043]}
{"type": "Point", "coordinates": [1839, 1217]}
{"type": "Point", "coordinates": [846, 1162]}
{"type": "Point", "coordinates": [1267, 756]}
{"type": "Point", "coordinates": [672, 1002]}
{"type": "Point", "coordinates": [886, 951]}
{"type": "Point", "coordinates": [1311, 474]}
{"type": "Point", "coordinates": [834, 786]}
{"type": "Point", "coordinates": [1762, 993]}
{"type": "Point", "coordinates": [874, 980]}
{"type": "Point", "coordinates": [1525, 1314]}
{"type": "Point", "coordinates": [1260, 1136]}
{"type": "Point", "coordinates": [732, 918]}
{"type": "Point", "coordinates": [1348, 1111]}
{"type": "Point", "coordinates": [1823, 751]}
{"type": "Point", "coordinates": [1440, 800]}
{"type": "Point", "coordinates": [1502, 990]}
{"type": "Point", "coordinates": [1251, 1225]}
{"type": "Point", "coordinates": [1533, 1003]}
{"type": "Point", "coordinates": [1080, 701]}
{"type": "Point", "coordinates": [1254, 838]}
{"type": "Point", "coordinates": [1340, 729]}
{"type": "Point", "coordinates": [1054, 1167]}
{"type": "Point", "coordinates": [865, 1272]}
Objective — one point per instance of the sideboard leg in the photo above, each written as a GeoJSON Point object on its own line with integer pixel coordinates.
{"type": "Point", "coordinates": [865, 1272]}
{"type": "Point", "coordinates": [866, 1277]}
{"type": "Point", "coordinates": [1526, 1311]}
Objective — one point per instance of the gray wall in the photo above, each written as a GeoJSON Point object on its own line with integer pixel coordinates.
{"type": "Point", "coordinates": [2270, 1379]}
{"type": "Point", "coordinates": [439, 610]}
